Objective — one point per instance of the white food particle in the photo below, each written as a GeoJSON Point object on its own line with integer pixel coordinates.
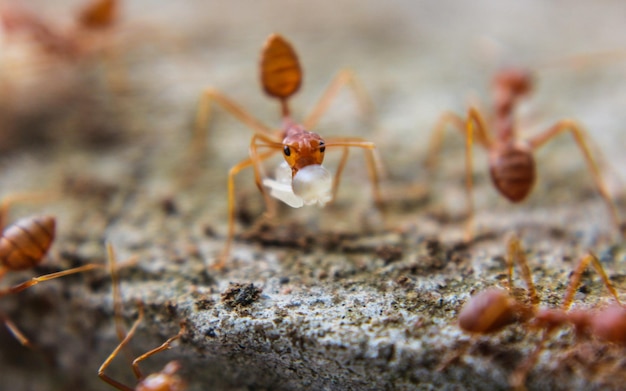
{"type": "Point", "coordinates": [311, 185]}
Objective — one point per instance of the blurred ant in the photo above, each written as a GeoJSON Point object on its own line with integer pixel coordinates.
{"type": "Point", "coordinates": [301, 180]}
{"type": "Point", "coordinates": [97, 16]}
{"type": "Point", "coordinates": [511, 161]}
{"type": "Point", "coordinates": [164, 380]}
{"type": "Point", "coordinates": [493, 309]}
{"type": "Point", "coordinates": [23, 245]}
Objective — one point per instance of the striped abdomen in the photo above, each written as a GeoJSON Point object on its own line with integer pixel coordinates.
{"type": "Point", "coordinates": [281, 75]}
{"type": "Point", "coordinates": [513, 171]}
{"type": "Point", "coordinates": [25, 243]}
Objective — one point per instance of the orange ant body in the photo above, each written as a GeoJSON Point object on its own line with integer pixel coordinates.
{"type": "Point", "coordinates": [303, 150]}
{"type": "Point", "coordinates": [493, 309]}
{"type": "Point", "coordinates": [24, 245]}
{"type": "Point", "coordinates": [166, 379]}
{"type": "Point", "coordinates": [511, 161]}
{"type": "Point", "coordinates": [37, 47]}
{"type": "Point", "coordinates": [99, 15]}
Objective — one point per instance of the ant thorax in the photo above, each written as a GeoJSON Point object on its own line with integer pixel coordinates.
{"type": "Point", "coordinates": [310, 185]}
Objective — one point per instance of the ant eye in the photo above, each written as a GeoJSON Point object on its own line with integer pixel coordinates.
{"type": "Point", "coordinates": [286, 150]}
{"type": "Point", "coordinates": [322, 147]}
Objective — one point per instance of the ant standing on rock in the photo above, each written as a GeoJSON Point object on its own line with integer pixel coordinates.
{"type": "Point", "coordinates": [493, 309]}
{"type": "Point", "coordinates": [24, 245]}
{"type": "Point", "coordinates": [301, 179]}
{"type": "Point", "coordinates": [511, 161]}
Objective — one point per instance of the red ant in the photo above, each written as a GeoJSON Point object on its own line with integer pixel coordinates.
{"type": "Point", "coordinates": [166, 379]}
{"type": "Point", "coordinates": [493, 309]}
{"type": "Point", "coordinates": [511, 161]}
{"type": "Point", "coordinates": [24, 245]}
{"type": "Point", "coordinates": [37, 48]}
{"type": "Point", "coordinates": [99, 15]}
{"type": "Point", "coordinates": [306, 181]}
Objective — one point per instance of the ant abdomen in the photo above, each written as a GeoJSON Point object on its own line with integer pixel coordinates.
{"type": "Point", "coordinates": [512, 169]}
{"type": "Point", "coordinates": [281, 75]}
{"type": "Point", "coordinates": [24, 244]}
{"type": "Point", "coordinates": [488, 312]}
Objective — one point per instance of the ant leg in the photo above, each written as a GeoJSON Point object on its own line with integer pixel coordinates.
{"type": "Point", "coordinates": [115, 286]}
{"type": "Point", "coordinates": [8, 201]}
{"type": "Point", "coordinates": [456, 356]}
{"type": "Point", "coordinates": [340, 167]}
{"type": "Point", "coordinates": [515, 254]}
{"type": "Point", "coordinates": [231, 204]}
{"type": "Point", "coordinates": [579, 136]}
{"type": "Point", "coordinates": [15, 332]}
{"type": "Point", "coordinates": [203, 117]}
{"type": "Point", "coordinates": [482, 136]}
{"type": "Point", "coordinates": [473, 118]}
{"type": "Point", "coordinates": [124, 339]}
{"type": "Point", "coordinates": [370, 157]}
{"type": "Point", "coordinates": [115, 352]}
{"type": "Point", "coordinates": [469, 228]}
{"type": "Point", "coordinates": [344, 77]}
{"type": "Point", "coordinates": [518, 377]}
{"type": "Point", "coordinates": [23, 339]}
{"type": "Point", "coordinates": [577, 275]}
{"type": "Point", "coordinates": [256, 165]}
{"type": "Point", "coordinates": [231, 212]}
{"type": "Point", "coordinates": [164, 346]}
{"type": "Point", "coordinates": [469, 132]}
{"type": "Point", "coordinates": [51, 276]}
{"type": "Point", "coordinates": [436, 138]}
{"type": "Point", "coordinates": [114, 266]}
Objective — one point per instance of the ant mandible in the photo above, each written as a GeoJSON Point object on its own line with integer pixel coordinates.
{"type": "Point", "coordinates": [511, 161]}
{"type": "Point", "coordinates": [24, 245]}
{"type": "Point", "coordinates": [493, 309]}
{"type": "Point", "coordinates": [303, 150]}
{"type": "Point", "coordinates": [166, 379]}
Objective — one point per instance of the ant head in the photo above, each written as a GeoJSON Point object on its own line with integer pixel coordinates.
{"type": "Point", "coordinates": [515, 81]}
{"type": "Point", "coordinates": [99, 14]}
{"type": "Point", "coordinates": [303, 149]}
{"type": "Point", "coordinates": [488, 312]}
